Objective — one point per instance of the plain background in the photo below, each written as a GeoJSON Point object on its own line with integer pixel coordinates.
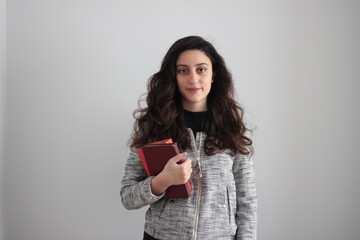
{"type": "Point", "coordinates": [73, 71]}
{"type": "Point", "coordinates": [2, 107]}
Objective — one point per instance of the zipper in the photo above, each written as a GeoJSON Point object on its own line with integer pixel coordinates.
{"type": "Point", "coordinates": [197, 209]}
{"type": "Point", "coordinates": [228, 204]}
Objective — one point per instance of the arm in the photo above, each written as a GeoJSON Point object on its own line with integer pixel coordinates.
{"type": "Point", "coordinates": [138, 190]}
{"type": "Point", "coordinates": [246, 198]}
{"type": "Point", "coordinates": [136, 185]}
{"type": "Point", "coordinates": [176, 171]}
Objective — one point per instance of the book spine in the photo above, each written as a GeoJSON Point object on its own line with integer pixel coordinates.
{"type": "Point", "coordinates": [143, 160]}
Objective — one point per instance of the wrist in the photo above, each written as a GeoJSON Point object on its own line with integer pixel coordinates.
{"type": "Point", "coordinates": [159, 184]}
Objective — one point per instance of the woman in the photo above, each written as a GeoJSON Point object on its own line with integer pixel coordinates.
{"type": "Point", "coordinates": [191, 101]}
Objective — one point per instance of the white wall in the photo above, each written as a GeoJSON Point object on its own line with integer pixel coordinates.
{"type": "Point", "coordinates": [2, 107]}
{"type": "Point", "coordinates": [75, 70]}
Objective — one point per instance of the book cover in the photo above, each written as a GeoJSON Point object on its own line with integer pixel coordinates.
{"type": "Point", "coordinates": [154, 157]}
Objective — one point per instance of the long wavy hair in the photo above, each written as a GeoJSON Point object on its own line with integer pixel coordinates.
{"type": "Point", "coordinates": [163, 116]}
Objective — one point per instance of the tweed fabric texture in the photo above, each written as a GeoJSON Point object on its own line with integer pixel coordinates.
{"type": "Point", "coordinates": [223, 204]}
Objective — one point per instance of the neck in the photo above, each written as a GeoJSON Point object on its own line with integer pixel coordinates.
{"type": "Point", "coordinates": [195, 107]}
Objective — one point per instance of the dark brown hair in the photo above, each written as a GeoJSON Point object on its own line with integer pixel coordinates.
{"type": "Point", "coordinates": [163, 116]}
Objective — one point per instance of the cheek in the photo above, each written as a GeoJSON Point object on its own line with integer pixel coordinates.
{"type": "Point", "coordinates": [209, 81]}
{"type": "Point", "coordinates": [209, 84]}
{"type": "Point", "coordinates": [180, 83]}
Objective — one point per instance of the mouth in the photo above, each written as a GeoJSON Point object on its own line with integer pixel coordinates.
{"type": "Point", "coordinates": [193, 90]}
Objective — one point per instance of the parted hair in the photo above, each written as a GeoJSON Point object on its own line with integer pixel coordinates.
{"type": "Point", "coordinates": [163, 117]}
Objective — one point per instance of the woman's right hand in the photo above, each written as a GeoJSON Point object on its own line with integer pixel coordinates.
{"type": "Point", "coordinates": [176, 171]}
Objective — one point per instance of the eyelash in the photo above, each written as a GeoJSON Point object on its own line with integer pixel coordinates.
{"type": "Point", "coordinates": [183, 71]}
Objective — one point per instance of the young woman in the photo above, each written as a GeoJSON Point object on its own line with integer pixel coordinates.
{"type": "Point", "coordinates": [191, 101]}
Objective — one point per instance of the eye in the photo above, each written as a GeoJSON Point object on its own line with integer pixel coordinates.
{"type": "Point", "coordinates": [201, 70]}
{"type": "Point", "coordinates": [182, 71]}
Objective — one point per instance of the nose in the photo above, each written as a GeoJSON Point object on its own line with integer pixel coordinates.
{"type": "Point", "coordinates": [193, 77]}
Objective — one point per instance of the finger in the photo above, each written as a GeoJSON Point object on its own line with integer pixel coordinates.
{"type": "Point", "coordinates": [186, 162]}
{"type": "Point", "coordinates": [189, 174]}
{"type": "Point", "coordinates": [179, 157]}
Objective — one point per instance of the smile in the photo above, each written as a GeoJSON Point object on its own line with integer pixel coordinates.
{"type": "Point", "coordinates": [193, 90]}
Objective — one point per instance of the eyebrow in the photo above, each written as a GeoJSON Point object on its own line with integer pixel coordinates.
{"type": "Point", "coordinates": [184, 65]}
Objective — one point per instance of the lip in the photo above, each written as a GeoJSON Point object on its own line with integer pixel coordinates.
{"type": "Point", "coordinates": [193, 90]}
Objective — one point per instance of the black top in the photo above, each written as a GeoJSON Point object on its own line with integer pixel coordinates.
{"type": "Point", "coordinates": [194, 120]}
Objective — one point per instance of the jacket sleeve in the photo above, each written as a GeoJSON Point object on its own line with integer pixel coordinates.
{"type": "Point", "coordinates": [246, 198]}
{"type": "Point", "coordinates": [135, 186]}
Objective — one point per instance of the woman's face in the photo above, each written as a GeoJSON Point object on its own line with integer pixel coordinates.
{"type": "Point", "coordinates": [194, 76]}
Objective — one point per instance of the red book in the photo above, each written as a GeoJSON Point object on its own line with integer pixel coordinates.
{"type": "Point", "coordinates": [154, 157]}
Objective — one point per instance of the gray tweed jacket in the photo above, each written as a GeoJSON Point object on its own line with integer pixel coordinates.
{"type": "Point", "coordinates": [223, 204]}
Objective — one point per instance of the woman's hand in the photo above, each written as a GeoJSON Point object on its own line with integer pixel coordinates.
{"type": "Point", "coordinates": [176, 171]}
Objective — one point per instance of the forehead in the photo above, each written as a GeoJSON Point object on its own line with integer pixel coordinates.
{"type": "Point", "coordinates": [193, 57]}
